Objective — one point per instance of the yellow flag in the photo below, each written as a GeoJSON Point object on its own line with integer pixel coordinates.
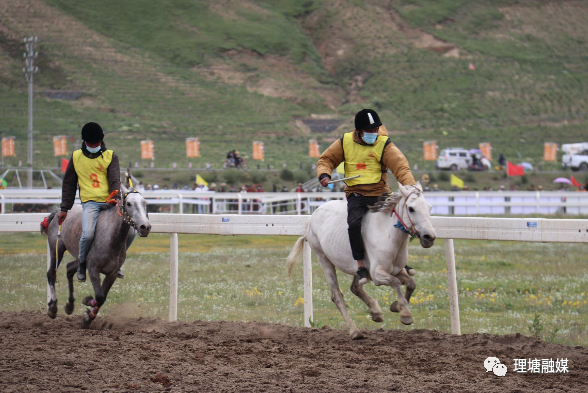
{"type": "Point", "coordinates": [200, 180]}
{"type": "Point", "coordinates": [456, 181]}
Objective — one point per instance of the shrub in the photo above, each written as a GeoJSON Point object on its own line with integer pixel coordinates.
{"type": "Point", "coordinates": [286, 175]}
{"type": "Point", "coordinates": [301, 176]}
{"type": "Point", "coordinates": [232, 176]}
{"type": "Point", "coordinates": [210, 177]}
{"type": "Point", "coordinates": [443, 176]}
{"type": "Point", "coordinates": [257, 177]}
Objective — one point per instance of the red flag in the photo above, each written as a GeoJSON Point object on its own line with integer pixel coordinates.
{"type": "Point", "coordinates": [64, 163]}
{"type": "Point", "coordinates": [574, 182]}
{"type": "Point", "coordinates": [514, 170]}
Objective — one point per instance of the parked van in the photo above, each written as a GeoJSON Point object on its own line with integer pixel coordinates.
{"type": "Point", "coordinates": [453, 158]}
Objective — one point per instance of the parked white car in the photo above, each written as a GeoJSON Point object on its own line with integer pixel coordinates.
{"type": "Point", "coordinates": [576, 156]}
{"type": "Point", "coordinates": [577, 162]}
{"type": "Point", "coordinates": [453, 158]}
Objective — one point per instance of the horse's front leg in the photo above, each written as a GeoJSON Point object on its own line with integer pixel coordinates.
{"type": "Point", "coordinates": [99, 295]}
{"type": "Point", "coordinates": [381, 277]}
{"type": "Point", "coordinates": [410, 284]}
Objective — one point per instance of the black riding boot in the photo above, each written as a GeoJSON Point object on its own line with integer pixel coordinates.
{"type": "Point", "coordinates": [81, 271]}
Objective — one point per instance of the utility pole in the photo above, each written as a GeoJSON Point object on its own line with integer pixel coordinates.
{"type": "Point", "coordinates": [29, 70]}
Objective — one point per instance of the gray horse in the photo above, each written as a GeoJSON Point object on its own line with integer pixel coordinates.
{"type": "Point", "coordinates": [107, 254]}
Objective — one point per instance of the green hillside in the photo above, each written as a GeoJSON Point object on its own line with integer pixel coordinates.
{"type": "Point", "coordinates": [461, 72]}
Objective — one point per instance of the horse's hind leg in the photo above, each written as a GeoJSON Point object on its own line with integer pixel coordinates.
{"type": "Point", "coordinates": [52, 304]}
{"type": "Point", "coordinates": [51, 278]}
{"type": "Point", "coordinates": [337, 296]}
{"type": "Point", "coordinates": [72, 268]}
{"type": "Point", "coordinates": [375, 310]}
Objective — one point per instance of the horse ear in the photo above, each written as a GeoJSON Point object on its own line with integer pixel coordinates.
{"type": "Point", "coordinates": [402, 189]}
{"type": "Point", "coordinates": [123, 189]}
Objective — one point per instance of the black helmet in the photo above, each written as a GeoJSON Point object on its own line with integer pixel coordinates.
{"type": "Point", "coordinates": [92, 132]}
{"type": "Point", "coordinates": [367, 119]}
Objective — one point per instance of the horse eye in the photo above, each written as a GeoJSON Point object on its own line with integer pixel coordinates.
{"type": "Point", "coordinates": [410, 209]}
{"type": "Point", "coordinates": [128, 204]}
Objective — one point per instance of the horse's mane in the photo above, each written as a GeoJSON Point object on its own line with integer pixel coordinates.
{"type": "Point", "coordinates": [386, 202]}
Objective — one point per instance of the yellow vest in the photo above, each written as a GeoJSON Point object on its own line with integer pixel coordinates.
{"type": "Point", "coordinates": [92, 175]}
{"type": "Point", "coordinates": [364, 161]}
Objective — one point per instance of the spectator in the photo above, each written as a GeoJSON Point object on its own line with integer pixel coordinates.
{"type": "Point", "coordinates": [299, 188]}
{"type": "Point", "coordinates": [435, 188]}
{"type": "Point", "coordinates": [222, 187]}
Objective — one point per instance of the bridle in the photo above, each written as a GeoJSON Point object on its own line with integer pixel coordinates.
{"type": "Point", "coordinates": [410, 230]}
{"type": "Point", "coordinates": [122, 211]}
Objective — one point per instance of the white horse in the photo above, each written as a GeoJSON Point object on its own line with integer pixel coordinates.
{"type": "Point", "coordinates": [386, 245]}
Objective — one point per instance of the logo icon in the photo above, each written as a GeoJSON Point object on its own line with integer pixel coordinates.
{"type": "Point", "coordinates": [493, 364]}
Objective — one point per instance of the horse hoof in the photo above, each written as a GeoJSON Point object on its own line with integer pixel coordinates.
{"type": "Point", "coordinates": [86, 320]}
{"type": "Point", "coordinates": [406, 317]}
{"type": "Point", "coordinates": [69, 307]}
{"type": "Point", "coordinates": [377, 318]}
{"type": "Point", "coordinates": [52, 309]}
{"type": "Point", "coordinates": [394, 307]}
{"type": "Point", "coordinates": [357, 335]}
{"type": "Point", "coordinates": [87, 300]}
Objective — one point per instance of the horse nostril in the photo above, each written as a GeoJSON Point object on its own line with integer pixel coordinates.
{"type": "Point", "coordinates": [142, 227]}
{"type": "Point", "coordinates": [428, 237]}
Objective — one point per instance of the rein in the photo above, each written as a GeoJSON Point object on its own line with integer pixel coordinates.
{"type": "Point", "coordinates": [410, 230]}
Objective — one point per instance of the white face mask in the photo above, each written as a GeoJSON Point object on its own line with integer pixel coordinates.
{"type": "Point", "coordinates": [94, 149]}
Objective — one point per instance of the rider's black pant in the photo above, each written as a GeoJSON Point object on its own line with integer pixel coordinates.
{"type": "Point", "coordinates": [357, 205]}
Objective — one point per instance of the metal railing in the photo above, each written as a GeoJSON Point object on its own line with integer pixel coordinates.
{"type": "Point", "coordinates": [444, 203]}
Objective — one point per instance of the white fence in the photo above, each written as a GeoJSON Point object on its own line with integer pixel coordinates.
{"type": "Point", "coordinates": [444, 203]}
{"type": "Point", "coordinates": [449, 228]}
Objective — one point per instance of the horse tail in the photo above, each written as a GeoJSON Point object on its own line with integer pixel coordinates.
{"type": "Point", "coordinates": [294, 254]}
{"type": "Point", "coordinates": [45, 223]}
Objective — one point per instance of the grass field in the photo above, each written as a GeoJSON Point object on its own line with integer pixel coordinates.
{"type": "Point", "coordinates": [503, 286]}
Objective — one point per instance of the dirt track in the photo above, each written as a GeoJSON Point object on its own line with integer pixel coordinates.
{"type": "Point", "coordinates": [40, 354]}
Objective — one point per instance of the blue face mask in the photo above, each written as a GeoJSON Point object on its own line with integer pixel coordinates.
{"type": "Point", "coordinates": [94, 149]}
{"type": "Point", "coordinates": [370, 138]}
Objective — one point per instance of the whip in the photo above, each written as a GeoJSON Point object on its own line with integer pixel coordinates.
{"type": "Point", "coordinates": [345, 178]}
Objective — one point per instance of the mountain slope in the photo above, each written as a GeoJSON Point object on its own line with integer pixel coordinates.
{"type": "Point", "coordinates": [234, 71]}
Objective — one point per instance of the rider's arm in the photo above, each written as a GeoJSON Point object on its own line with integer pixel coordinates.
{"type": "Point", "coordinates": [114, 175]}
{"type": "Point", "coordinates": [69, 186]}
{"type": "Point", "coordinates": [398, 164]}
{"type": "Point", "coordinates": [330, 159]}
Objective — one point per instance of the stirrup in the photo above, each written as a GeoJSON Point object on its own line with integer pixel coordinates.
{"type": "Point", "coordinates": [362, 274]}
{"type": "Point", "coordinates": [81, 273]}
{"type": "Point", "coordinates": [410, 270]}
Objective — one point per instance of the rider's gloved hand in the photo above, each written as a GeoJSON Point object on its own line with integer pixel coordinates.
{"type": "Point", "coordinates": [325, 179]}
{"type": "Point", "coordinates": [61, 216]}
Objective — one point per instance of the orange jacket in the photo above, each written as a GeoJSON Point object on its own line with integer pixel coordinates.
{"type": "Point", "coordinates": [392, 159]}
